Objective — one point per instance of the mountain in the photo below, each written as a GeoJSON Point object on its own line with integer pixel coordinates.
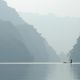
{"type": "Point", "coordinates": [60, 32]}
{"type": "Point", "coordinates": [37, 45]}
{"type": "Point", "coordinates": [9, 14]}
{"type": "Point", "coordinates": [75, 52]}
{"type": "Point", "coordinates": [63, 57]}
{"type": "Point", "coordinates": [12, 49]}
{"type": "Point", "coordinates": [32, 40]}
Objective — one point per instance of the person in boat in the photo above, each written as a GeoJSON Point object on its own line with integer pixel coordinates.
{"type": "Point", "coordinates": [71, 61]}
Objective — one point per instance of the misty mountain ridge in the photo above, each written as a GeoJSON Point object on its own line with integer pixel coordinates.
{"type": "Point", "coordinates": [69, 25]}
{"type": "Point", "coordinates": [11, 47]}
{"type": "Point", "coordinates": [75, 52]}
{"type": "Point", "coordinates": [60, 32]}
{"type": "Point", "coordinates": [36, 46]}
{"type": "Point", "coordinates": [11, 14]}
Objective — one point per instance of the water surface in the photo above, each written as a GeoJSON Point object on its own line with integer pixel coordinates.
{"type": "Point", "coordinates": [40, 72]}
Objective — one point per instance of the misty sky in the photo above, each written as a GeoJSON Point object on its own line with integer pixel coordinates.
{"type": "Point", "coordinates": [55, 7]}
{"type": "Point", "coordinates": [58, 7]}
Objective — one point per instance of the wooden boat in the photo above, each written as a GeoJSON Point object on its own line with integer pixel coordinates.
{"type": "Point", "coordinates": [68, 62]}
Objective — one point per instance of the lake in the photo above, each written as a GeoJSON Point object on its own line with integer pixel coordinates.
{"type": "Point", "coordinates": [39, 71]}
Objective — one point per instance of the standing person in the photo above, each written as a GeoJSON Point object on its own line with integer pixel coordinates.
{"type": "Point", "coordinates": [71, 61]}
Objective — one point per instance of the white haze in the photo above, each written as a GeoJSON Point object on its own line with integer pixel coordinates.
{"type": "Point", "coordinates": [58, 7]}
{"type": "Point", "coordinates": [64, 37]}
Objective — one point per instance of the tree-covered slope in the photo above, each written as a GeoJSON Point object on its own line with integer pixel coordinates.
{"type": "Point", "coordinates": [33, 41]}
{"type": "Point", "coordinates": [11, 47]}
{"type": "Point", "coordinates": [75, 52]}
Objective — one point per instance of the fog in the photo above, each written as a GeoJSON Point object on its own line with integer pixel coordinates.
{"type": "Point", "coordinates": [58, 7]}
{"type": "Point", "coordinates": [60, 32]}
{"type": "Point", "coordinates": [60, 37]}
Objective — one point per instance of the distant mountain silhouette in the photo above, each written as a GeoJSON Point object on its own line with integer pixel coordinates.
{"type": "Point", "coordinates": [75, 52]}
{"type": "Point", "coordinates": [60, 31]}
{"type": "Point", "coordinates": [9, 14]}
{"type": "Point", "coordinates": [34, 42]}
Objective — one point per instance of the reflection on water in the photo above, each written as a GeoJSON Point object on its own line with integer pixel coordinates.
{"type": "Point", "coordinates": [62, 72]}
{"type": "Point", "coordinates": [13, 72]}
{"type": "Point", "coordinates": [76, 71]}
{"type": "Point", "coordinates": [40, 72]}
{"type": "Point", "coordinates": [23, 72]}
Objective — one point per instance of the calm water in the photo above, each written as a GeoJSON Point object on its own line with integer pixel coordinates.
{"type": "Point", "coordinates": [40, 72]}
